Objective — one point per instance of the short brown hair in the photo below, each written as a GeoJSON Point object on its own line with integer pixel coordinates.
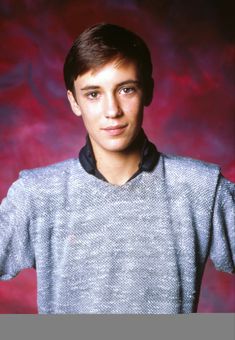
{"type": "Point", "coordinates": [101, 44]}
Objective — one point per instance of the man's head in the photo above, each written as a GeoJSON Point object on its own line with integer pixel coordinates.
{"type": "Point", "coordinates": [108, 79]}
{"type": "Point", "coordinates": [102, 44]}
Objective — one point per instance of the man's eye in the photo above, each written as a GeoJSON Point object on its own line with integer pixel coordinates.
{"type": "Point", "coordinates": [92, 95]}
{"type": "Point", "coordinates": [127, 90]}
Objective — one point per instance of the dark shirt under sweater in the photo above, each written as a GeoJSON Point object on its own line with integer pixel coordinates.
{"type": "Point", "coordinates": [148, 160]}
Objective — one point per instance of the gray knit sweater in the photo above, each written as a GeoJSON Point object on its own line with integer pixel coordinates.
{"type": "Point", "coordinates": [101, 248]}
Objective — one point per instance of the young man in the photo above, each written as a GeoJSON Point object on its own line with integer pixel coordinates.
{"type": "Point", "coordinates": [122, 228]}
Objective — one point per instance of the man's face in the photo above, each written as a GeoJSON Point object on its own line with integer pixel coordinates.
{"type": "Point", "coordinates": [111, 102]}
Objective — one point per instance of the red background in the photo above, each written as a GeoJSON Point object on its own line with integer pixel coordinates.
{"type": "Point", "coordinates": [192, 113]}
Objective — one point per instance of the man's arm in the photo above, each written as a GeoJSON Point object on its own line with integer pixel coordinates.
{"type": "Point", "coordinates": [16, 251]}
{"type": "Point", "coordinates": [222, 251]}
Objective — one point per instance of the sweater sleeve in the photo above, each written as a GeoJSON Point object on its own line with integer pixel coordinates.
{"type": "Point", "coordinates": [16, 250]}
{"type": "Point", "coordinates": [222, 252]}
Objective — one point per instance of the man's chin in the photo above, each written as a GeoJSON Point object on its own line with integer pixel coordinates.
{"type": "Point", "coordinates": [123, 147]}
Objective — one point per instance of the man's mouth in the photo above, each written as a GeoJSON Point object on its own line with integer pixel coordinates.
{"type": "Point", "coordinates": [115, 130]}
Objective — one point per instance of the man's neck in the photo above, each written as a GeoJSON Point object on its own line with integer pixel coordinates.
{"type": "Point", "coordinates": [118, 167]}
{"type": "Point", "coordinates": [146, 162]}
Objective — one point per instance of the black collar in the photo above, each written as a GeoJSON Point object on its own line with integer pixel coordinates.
{"type": "Point", "coordinates": [149, 157]}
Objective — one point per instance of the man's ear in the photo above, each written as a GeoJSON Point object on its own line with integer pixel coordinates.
{"type": "Point", "coordinates": [148, 90]}
{"type": "Point", "coordinates": [73, 103]}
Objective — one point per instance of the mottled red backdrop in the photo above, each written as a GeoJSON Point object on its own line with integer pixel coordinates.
{"type": "Point", "coordinates": [192, 114]}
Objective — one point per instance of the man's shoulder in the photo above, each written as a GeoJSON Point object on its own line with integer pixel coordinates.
{"type": "Point", "coordinates": [50, 171]}
{"type": "Point", "coordinates": [188, 163]}
{"type": "Point", "coordinates": [182, 168]}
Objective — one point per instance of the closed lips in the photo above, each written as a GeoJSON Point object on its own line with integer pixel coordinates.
{"type": "Point", "coordinates": [116, 127]}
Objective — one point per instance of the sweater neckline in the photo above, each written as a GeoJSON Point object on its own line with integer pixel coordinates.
{"type": "Point", "coordinates": [99, 182]}
{"type": "Point", "coordinates": [129, 183]}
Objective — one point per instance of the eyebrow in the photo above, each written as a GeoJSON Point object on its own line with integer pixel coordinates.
{"type": "Point", "coordinates": [95, 87]}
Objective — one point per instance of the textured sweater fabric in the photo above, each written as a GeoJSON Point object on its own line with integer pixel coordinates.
{"type": "Point", "coordinates": [139, 248]}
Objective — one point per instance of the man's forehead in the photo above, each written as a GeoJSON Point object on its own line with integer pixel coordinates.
{"type": "Point", "coordinates": [112, 68]}
{"type": "Point", "coordinates": [117, 62]}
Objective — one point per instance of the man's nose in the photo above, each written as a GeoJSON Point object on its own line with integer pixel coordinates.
{"type": "Point", "coordinates": [113, 108]}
